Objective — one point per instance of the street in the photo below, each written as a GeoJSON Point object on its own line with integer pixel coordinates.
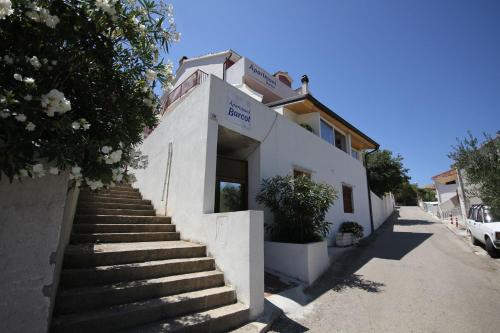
{"type": "Point", "coordinates": [414, 275]}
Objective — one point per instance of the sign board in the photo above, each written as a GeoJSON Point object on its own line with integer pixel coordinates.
{"type": "Point", "coordinates": [261, 75]}
{"type": "Point", "coordinates": [238, 111]}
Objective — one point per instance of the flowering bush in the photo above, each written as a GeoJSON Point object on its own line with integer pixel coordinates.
{"type": "Point", "coordinates": [76, 85]}
{"type": "Point", "coordinates": [350, 227]}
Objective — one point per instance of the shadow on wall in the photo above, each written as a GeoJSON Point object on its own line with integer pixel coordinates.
{"type": "Point", "coordinates": [385, 243]}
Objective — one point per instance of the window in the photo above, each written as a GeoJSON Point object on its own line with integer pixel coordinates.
{"type": "Point", "coordinates": [355, 153]}
{"type": "Point", "coordinates": [340, 141]}
{"type": "Point", "coordinates": [299, 173]}
{"type": "Point", "coordinates": [326, 132]}
{"type": "Point", "coordinates": [230, 197]}
{"type": "Point", "coordinates": [347, 198]}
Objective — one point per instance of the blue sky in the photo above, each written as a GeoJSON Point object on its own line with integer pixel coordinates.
{"type": "Point", "coordinates": [412, 74]}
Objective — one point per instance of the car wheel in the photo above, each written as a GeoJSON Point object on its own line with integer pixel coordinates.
{"type": "Point", "coordinates": [491, 249]}
{"type": "Point", "coordinates": [473, 240]}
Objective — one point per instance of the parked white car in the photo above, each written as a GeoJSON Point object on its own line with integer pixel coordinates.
{"type": "Point", "coordinates": [483, 226]}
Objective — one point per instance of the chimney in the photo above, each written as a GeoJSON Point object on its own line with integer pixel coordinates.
{"type": "Point", "coordinates": [305, 84]}
{"type": "Point", "coordinates": [181, 60]}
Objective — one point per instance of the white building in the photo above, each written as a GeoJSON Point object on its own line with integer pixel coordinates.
{"type": "Point", "coordinates": [226, 125]}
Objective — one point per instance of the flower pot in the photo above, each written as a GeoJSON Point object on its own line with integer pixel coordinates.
{"type": "Point", "coordinates": [346, 239]}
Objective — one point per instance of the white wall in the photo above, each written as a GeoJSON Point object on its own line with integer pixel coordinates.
{"type": "Point", "coordinates": [236, 239]}
{"type": "Point", "coordinates": [446, 192]}
{"type": "Point", "coordinates": [285, 145]}
{"type": "Point", "coordinates": [382, 208]}
{"type": "Point", "coordinates": [210, 65]}
{"type": "Point", "coordinates": [35, 223]}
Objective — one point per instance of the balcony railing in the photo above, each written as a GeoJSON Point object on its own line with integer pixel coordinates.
{"type": "Point", "coordinates": [192, 81]}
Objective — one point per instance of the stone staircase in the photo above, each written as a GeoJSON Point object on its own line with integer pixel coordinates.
{"type": "Point", "coordinates": [127, 270]}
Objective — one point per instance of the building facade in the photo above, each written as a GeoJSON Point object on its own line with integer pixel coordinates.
{"type": "Point", "coordinates": [226, 125]}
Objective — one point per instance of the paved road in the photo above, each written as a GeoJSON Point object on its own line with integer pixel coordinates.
{"type": "Point", "coordinates": [413, 276]}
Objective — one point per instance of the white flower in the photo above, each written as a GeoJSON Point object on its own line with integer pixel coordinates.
{"type": "Point", "coordinates": [28, 97]}
{"type": "Point", "coordinates": [7, 59]}
{"type": "Point", "coordinates": [23, 173]}
{"type": "Point", "coordinates": [5, 9]}
{"type": "Point", "coordinates": [54, 102]}
{"type": "Point", "coordinates": [177, 37]}
{"type": "Point", "coordinates": [106, 149]}
{"type": "Point", "coordinates": [107, 6]}
{"type": "Point", "coordinates": [142, 27]}
{"type": "Point", "coordinates": [54, 62]}
{"type": "Point", "coordinates": [75, 125]}
{"type": "Point", "coordinates": [86, 126]}
{"type": "Point", "coordinates": [17, 76]}
{"type": "Point", "coordinates": [42, 15]}
{"type": "Point", "coordinates": [2, 99]}
{"type": "Point", "coordinates": [34, 62]}
{"type": "Point", "coordinates": [38, 170]}
{"type": "Point", "coordinates": [116, 156]}
{"type": "Point", "coordinates": [118, 174]}
{"type": "Point", "coordinates": [5, 113]}
{"type": "Point", "coordinates": [29, 80]}
{"type": "Point", "coordinates": [30, 127]}
{"type": "Point", "coordinates": [151, 75]}
{"type": "Point", "coordinates": [94, 184]}
{"type": "Point", "coordinates": [54, 170]}
{"type": "Point", "coordinates": [21, 117]}
{"type": "Point", "coordinates": [75, 172]}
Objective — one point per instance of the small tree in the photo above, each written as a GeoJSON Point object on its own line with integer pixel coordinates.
{"type": "Point", "coordinates": [426, 194]}
{"type": "Point", "coordinates": [481, 163]}
{"type": "Point", "coordinates": [299, 206]}
{"type": "Point", "coordinates": [407, 194]}
{"type": "Point", "coordinates": [386, 172]}
{"type": "Point", "coordinates": [76, 84]}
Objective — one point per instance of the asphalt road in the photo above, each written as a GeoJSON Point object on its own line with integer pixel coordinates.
{"type": "Point", "coordinates": [414, 275]}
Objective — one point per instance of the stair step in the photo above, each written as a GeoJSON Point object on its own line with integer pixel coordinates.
{"type": "Point", "coordinates": [114, 189]}
{"type": "Point", "coordinates": [123, 237]}
{"type": "Point", "coordinates": [102, 199]}
{"type": "Point", "coordinates": [220, 319]}
{"type": "Point", "coordinates": [88, 255]}
{"type": "Point", "coordinates": [80, 277]}
{"type": "Point", "coordinates": [82, 228]}
{"type": "Point", "coordinates": [121, 219]}
{"type": "Point", "coordinates": [114, 205]}
{"type": "Point", "coordinates": [135, 195]}
{"type": "Point", "coordinates": [87, 298]}
{"type": "Point", "coordinates": [108, 211]}
{"type": "Point", "coordinates": [132, 314]}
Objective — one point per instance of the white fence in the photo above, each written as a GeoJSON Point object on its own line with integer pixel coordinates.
{"type": "Point", "coordinates": [382, 208]}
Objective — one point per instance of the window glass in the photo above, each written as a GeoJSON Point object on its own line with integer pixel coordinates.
{"type": "Point", "coordinates": [326, 132]}
{"type": "Point", "coordinates": [231, 197]}
{"type": "Point", "coordinates": [479, 214]}
{"type": "Point", "coordinates": [355, 154]}
{"type": "Point", "coordinates": [347, 199]}
{"type": "Point", "coordinates": [489, 215]}
{"type": "Point", "coordinates": [340, 141]}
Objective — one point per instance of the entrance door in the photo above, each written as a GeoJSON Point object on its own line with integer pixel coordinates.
{"type": "Point", "coordinates": [231, 189]}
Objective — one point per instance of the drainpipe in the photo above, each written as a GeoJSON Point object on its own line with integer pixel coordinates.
{"type": "Point", "coordinates": [369, 190]}
{"type": "Point", "coordinates": [224, 66]}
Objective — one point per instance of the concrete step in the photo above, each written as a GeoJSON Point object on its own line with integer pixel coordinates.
{"type": "Point", "coordinates": [121, 219]}
{"type": "Point", "coordinates": [127, 315]}
{"type": "Point", "coordinates": [80, 277]}
{"type": "Point", "coordinates": [123, 237]}
{"type": "Point", "coordinates": [88, 228]}
{"type": "Point", "coordinates": [111, 190]}
{"type": "Point", "coordinates": [88, 298]}
{"type": "Point", "coordinates": [114, 205]}
{"type": "Point", "coordinates": [103, 199]}
{"type": "Point", "coordinates": [135, 195]}
{"type": "Point", "coordinates": [220, 319]}
{"type": "Point", "coordinates": [89, 255]}
{"type": "Point", "coordinates": [108, 211]}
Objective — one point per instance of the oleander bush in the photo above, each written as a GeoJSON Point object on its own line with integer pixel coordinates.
{"type": "Point", "coordinates": [299, 206]}
{"type": "Point", "coordinates": [352, 228]}
{"type": "Point", "coordinates": [77, 85]}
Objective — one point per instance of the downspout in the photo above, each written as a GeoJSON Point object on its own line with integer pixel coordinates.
{"type": "Point", "coordinates": [224, 66]}
{"type": "Point", "coordinates": [368, 187]}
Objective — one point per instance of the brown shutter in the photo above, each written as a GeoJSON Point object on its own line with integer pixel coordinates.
{"type": "Point", "coordinates": [347, 198]}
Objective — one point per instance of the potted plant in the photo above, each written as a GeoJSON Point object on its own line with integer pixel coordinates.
{"type": "Point", "coordinates": [349, 233]}
{"type": "Point", "coordinates": [299, 205]}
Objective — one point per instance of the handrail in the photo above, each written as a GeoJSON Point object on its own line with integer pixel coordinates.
{"type": "Point", "coordinates": [190, 82]}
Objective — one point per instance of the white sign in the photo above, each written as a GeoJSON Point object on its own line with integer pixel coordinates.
{"type": "Point", "coordinates": [238, 111]}
{"type": "Point", "coordinates": [261, 75]}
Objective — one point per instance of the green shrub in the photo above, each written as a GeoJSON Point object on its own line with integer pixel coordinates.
{"type": "Point", "coordinates": [299, 206]}
{"type": "Point", "coordinates": [307, 127]}
{"type": "Point", "coordinates": [353, 228]}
